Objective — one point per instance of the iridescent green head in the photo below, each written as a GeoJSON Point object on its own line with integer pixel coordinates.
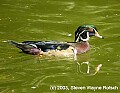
{"type": "Point", "coordinates": [88, 26]}
{"type": "Point", "coordinates": [84, 32]}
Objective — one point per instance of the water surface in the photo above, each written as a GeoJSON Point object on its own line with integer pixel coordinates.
{"type": "Point", "coordinates": [57, 20]}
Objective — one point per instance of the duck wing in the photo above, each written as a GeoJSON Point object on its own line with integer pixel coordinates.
{"type": "Point", "coordinates": [45, 46]}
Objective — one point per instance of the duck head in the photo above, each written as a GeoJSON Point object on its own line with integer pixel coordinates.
{"type": "Point", "coordinates": [84, 32]}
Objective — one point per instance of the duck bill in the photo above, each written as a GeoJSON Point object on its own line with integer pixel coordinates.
{"type": "Point", "coordinates": [97, 35]}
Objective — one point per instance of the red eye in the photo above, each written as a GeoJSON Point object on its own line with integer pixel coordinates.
{"type": "Point", "coordinates": [91, 29]}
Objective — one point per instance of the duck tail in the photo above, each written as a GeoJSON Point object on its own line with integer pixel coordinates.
{"type": "Point", "coordinates": [18, 45]}
{"type": "Point", "coordinates": [29, 49]}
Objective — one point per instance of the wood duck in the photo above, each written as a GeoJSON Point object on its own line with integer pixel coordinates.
{"type": "Point", "coordinates": [54, 48]}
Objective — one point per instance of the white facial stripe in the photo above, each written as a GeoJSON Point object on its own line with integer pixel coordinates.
{"type": "Point", "coordinates": [79, 36]}
{"type": "Point", "coordinates": [94, 29]}
{"type": "Point", "coordinates": [86, 38]}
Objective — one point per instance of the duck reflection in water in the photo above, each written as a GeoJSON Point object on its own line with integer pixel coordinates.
{"type": "Point", "coordinates": [87, 69]}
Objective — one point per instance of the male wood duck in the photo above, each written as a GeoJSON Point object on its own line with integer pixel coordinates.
{"type": "Point", "coordinates": [54, 48]}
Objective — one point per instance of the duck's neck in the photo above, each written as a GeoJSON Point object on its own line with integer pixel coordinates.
{"type": "Point", "coordinates": [82, 47]}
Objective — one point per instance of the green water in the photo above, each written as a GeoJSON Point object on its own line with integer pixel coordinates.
{"type": "Point", "coordinates": [22, 20]}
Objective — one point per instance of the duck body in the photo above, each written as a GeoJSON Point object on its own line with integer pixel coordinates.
{"type": "Point", "coordinates": [51, 48]}
{"type": "Point", "coordinates": [54, 48]}
{"type": "Point", "coordinates": [46, 46]}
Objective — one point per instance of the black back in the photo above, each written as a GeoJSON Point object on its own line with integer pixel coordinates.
{"type": "Point", "coordinates": [47, 45]}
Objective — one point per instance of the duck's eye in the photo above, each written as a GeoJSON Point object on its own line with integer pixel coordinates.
{"type": "Point", "coordinates": [91, 30]}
